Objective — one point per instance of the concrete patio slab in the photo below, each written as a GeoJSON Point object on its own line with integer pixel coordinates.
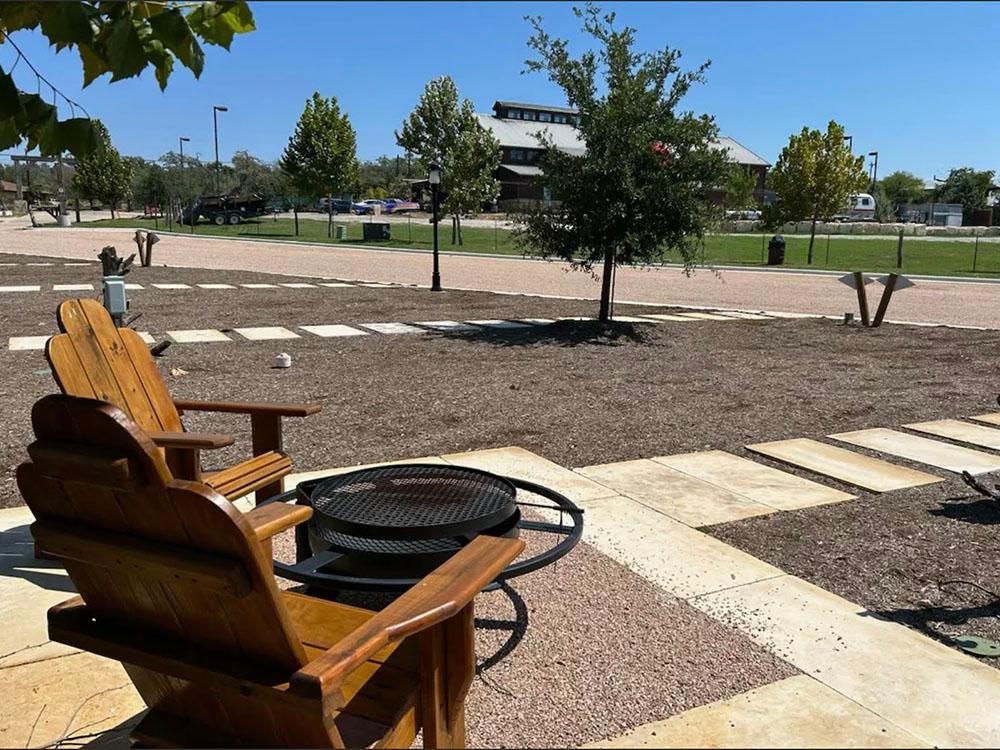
{"type": "Point", "coordinates": [794, 712]}
{"type": "Point", "coordinates": [674, 493]}
{"type": "Point", "coordinates": [332, 331]}
{"type": "Point", "coordinates": [391, 328]}
{"type": "Point", "coordinates": [523, 464]}
{"type": "Point", "coordinates": [988, 418]}
{"type": "Point", "coordinates": [266, 333]}
{"type": "Point", "coordinates": [963, 432]}
{"type": "Point", "coordinates": [681, 560]}
{"type": "Point", "coordinates": [22, 288]}
{"type": "Point", "coordinates": [847, 466]}
{"type": "Point", "coordinates": [80, 694]}
{"type": "Point", "coordinates": [132, 287]}
{"type": "Point", "coordinates": [632, 319]}
{"type": "Point", "coordinates": [199, 336]}
{"type": "Point", "coordinates": [28, 587]}
{"type": "Point", "coordinates": [923, 450]}
{"type": "Point", "coordinates": [538, 321]}
{"type": "Point", "coordinates": [172, 286]}
{"type": "Point", "coordinates": [744, 315]}
{"type": "Point", "coordinates": [334, 284]}
{"type": "Point", "coordinates": [259, 286]}
{"type": "Point", "coordinates": [499, 323]}
{"type": "Point", "coordinates": [147, 337]}
{"type": "Point", "coordinates": [298, 285]}
{"type": "Point", "coordinates": [72, 287]}
{"type": "Point", "coordinates": [937, 694]}
{"type": "Point", "coordinates": [216, 286]}
{"type": "Point", "coordinates": [762, 484]}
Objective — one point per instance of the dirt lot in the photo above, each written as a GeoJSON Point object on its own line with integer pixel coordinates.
{"type": "Point", "coordinates": [580, 395]}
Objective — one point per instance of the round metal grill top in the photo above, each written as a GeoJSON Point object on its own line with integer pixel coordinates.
{"type": "Point", "coordinates": [413, 501]}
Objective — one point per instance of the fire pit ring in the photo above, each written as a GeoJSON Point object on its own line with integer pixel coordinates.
{"type": "Point", "coordinates": [383, 529]}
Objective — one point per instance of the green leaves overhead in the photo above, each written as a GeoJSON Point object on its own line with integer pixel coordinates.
{"type": "Point", "coordinates": [120, 38]}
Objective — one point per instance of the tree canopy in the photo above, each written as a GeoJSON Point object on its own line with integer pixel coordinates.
{"type": "Point", "coordinates": [321, 156]}
{"type": "Point", "coordinates": [814, 178]}
{"type": "Point", "coordinates": [967, 186]}
{"type": "Point", "coordinates": [897, 189]}
{"type": "Point", "coordinates": [640, 189]}
{"type": "Point", "coordinates": [444, 131]}
{"type": "Point", "coordinates": [103, 175]}
{"type": "Point", "coordinates": [121, 38]}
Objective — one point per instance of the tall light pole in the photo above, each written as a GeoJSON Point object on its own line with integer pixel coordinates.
{"type": "Point", "coordinates": [930, 214]}
{"type": "Point", "coordinates": [215, 124]}
{"type": "Point", "coordinates": [182, 141]}
{"type": "Point", "coordinates": [434, 178]}
{"type": "Point", "coordinates": [874, 168]}
{"type": "Point", "coordinates": [850, 142]}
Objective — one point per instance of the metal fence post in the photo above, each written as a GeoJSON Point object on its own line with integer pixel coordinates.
{"type": "Point", "coordinates": [827, 250]}
{"type": "Point", "coordinates": [496, 229]}
{"type": "Point", "coordinates": [975, 254]}
{"type": "Point", "coordinates": [899, 250]}
{"type": "Point", "coordinates": [762, 240]}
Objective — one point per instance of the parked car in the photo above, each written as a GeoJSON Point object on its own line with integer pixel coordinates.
{"type": "Point", "coordinates": [399, 206]}
{"type": "Point", "coordinates": [745, 213]}
{"type": "Point", "coordinates": [340, 205]}
{"type": "Point", "coordinates": [368, 206]}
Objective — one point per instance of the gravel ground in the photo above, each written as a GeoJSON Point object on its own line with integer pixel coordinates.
{"type": "Point", "coordinates": [946, 302]}
{"type": "Point", "coordinates": [585, 650]}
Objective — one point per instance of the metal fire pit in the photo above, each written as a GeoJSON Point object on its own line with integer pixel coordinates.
{"type": "Point", "coordinates": [383, 529]}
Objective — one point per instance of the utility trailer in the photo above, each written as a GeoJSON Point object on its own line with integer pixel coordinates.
{"type": "Point", "coordinates": [224, 209]}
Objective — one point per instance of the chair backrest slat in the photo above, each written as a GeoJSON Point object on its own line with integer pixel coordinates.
{"type": "Point", "coordinates": [163, 555]}
{"type": "Point", "coordinates": [94, 359]}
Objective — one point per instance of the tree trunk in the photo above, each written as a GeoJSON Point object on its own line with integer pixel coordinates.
{"type": "Point", "coordinates": [812, 239]}
{"type": "Point", "coordinates": [609, 266]}
{"type": "Point", "coordinates": [329, 216]}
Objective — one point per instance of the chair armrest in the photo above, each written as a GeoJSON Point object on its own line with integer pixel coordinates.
{"type": "Point", "coordinates": [191, 440]}
{"type": "Point", "coordinates": [278, 410]}
{"type": "Point", "coordinates": [273, 518]}
{"type": "Point", "coordinates": [442, 594]}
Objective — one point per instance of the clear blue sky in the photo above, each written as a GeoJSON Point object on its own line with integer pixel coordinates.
{"type": "Point", "coordinates": [917, 82]}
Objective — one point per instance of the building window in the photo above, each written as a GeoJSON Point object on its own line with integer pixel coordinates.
{"type": "Point", "coordinates": [514, 114]}
{"type": "Point", "coordinates": [544, 117]}
{"type": "Point", "coordinates": [517, 154]}
{"type": "Point", "coordinates": [559, 118]}
{"type": "Point", "coordinates": [528, 115]}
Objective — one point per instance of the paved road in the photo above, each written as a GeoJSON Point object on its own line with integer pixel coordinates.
{"type": "Point", "coordinates": [959, 303]}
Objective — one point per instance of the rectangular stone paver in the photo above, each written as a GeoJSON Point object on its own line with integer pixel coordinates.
{"type": "Point", "coordinates": [499, 323]}
{"type": "Point", "coordinates": [705, 316]}
{"type": "Point", "coordinates": [988, 418]}
{"type": "Point", "coordinates": [446, 325]}
{"type": "Point", "coordinates": [964, 432]}
{"type": "Point", "coordinates": [668, 316]}
{"type": "Point", "coordinates": [674, 493]}
{"type": "Point", "coordinates": [26, 343]}
{"type": "Point", "coordinates": [681, 560]}
{"type": "Point", "coordinates": [538, 321]}
{"type": "Point", "coordinates": [852, 468]}
{"type": "Point", "coordinates": [334, 284]}
{"type": "Point", "coordinates": [796, 712]}
{"type": "Point", "coordinates": [259, 286]}
{"type": "Point", "coordinates": [266, 333]}
{"type": "Point", "coordinates": [216, 286]}
{"type": "Point", "coordinates": [523, 464]}
{"type": "Point", "coordinates": [792, 315]}
{"type": "Point", "coordinates": [923, 450]}
{"type": "Point", "coordinates": [72, 287]}
{"type": "Point", "coordinates": [132, 287]}
{"type": "Point", "coordinates": [172, 286]}
{"type": "Point", "coordinates": [198, 336]}
{"type": "Point", "coordinates": [332, 331]}
{"type": "Point", "coordinates": [144, 335]}
{"type": "Point", "coordinates": [391, 328]}
{"type": "Point", "coordinates": [934, 692]}
{"type": "Point", "coordinates": [298, 285]}
{"type": "Point", "coordinates": [740, 314]}
{"type": "Point", "coordinates": [760, 483]}
{"type": "Point", "coordinates": [23, 288]}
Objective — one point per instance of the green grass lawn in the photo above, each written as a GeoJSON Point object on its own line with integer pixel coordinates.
{"type": "Point", "coordinates": [833, 253]}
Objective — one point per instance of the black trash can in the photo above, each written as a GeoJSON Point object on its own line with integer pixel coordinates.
{"type": "Point", "coordinates": [375, 230]}
{"type": "Point", "coordinates": [776, 251]}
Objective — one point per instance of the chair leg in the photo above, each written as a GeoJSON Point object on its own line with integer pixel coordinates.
{"type": "Point", "coordinates": [266, 435]}
{"type": "Point", "coordinates": [447, 666]}
{"type": "Point", "coordinates": [184, 463]}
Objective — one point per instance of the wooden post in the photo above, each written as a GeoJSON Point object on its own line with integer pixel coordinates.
{"type": "Point", "coordinates": [890, 285]}
{"type": "Point", "coordinates": [447, 667]}
{"type": "Point", "coordinates": [859, 280]}
{"type": "Point", "coordinates": [899, 250]}
{"type": "Point", "coordinates": [266, 436]}
{"type": "Point", "coordinates": [975, 254]}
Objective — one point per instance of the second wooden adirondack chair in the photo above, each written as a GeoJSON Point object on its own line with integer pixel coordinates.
{"type": "Point", "coordinates": [94, 359]}
{"type": "Point", "coordinates": [173, 582]}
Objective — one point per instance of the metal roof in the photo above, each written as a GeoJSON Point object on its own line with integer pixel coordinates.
{"type": "Point", "coordinates": [521, 134]}
{"type": "Point", "coordinates": [524, 171]}
{"type": "Point", "coordinates": [537, 107]}
{"type": "Point", "coordinates": [739, 153]}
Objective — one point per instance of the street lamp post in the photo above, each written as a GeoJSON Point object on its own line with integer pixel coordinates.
{"type": "Point", "coordinates": [850, 142]}
{"type": "Point", "coordinates": [434, 178]}
{"type": "Point", "coordinates": [182, 141]}
{"type": "Point", "coordinates": [215, 124]}
{"type": "Point", "coordinates": [874, 168]}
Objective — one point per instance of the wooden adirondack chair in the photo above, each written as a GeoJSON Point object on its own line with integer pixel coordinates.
{"type": "Point", "coordinates": [173, 582]}
{"type": "Point", "coordinates": [94, 359]}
